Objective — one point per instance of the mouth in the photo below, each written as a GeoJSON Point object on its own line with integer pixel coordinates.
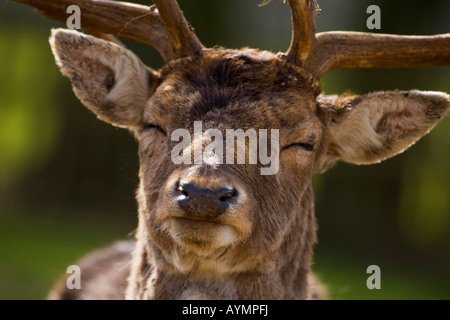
{"type": "Point", "coordinates": [199, 233]}
{"type": "Point", "coordinates": [198, 220]}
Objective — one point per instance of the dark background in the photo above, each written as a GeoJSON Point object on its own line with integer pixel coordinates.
{"type": "Point", "coordinates": [67, 180]}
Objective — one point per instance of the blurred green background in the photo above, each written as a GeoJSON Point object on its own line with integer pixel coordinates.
{"type": "Point", "coordinates": [67, 180]}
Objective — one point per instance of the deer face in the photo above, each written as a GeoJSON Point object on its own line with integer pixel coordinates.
{"type": "Point", "coordinates": [215, 210]}
{"type": "Point", "coordinates": [224, 217]}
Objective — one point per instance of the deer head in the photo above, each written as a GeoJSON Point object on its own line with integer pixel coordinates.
{"type": "Point", "coordinates": [219, 229]}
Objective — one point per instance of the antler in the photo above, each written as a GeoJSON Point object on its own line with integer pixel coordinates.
{"type": "Point", "coordinates": [339, 50]}
{"type": "Point", "coordinates": [167, 30]}
{"type": "Point", "coordinates": [303, 40]}
{"type": "Point", "coordinates": [164, 28]}
{"type": "Point", "coordinates": [184, 40]}
{"type": "Point", "coordinates": [319, 53]}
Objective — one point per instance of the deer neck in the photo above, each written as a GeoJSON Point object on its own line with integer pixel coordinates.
{"type": "Point", "coordinates": [281, 274]}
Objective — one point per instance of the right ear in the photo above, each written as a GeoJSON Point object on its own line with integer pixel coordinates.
{"type": "Point", "coordinates": [108, 79]}
{"type": "Point", "coordinates": [376, 126]}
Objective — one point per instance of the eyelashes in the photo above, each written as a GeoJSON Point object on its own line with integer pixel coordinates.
{"type": "Point", "coordinates": [151, 126]}
{"type": "Point", "coordinates": [304, 146]}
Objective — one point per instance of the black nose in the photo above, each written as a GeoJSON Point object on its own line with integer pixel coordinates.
{"type": "Point", "coordinates": [203, 202]}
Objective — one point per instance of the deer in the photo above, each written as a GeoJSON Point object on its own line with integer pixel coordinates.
{"type": "Point", "coordinates": [215, 230]}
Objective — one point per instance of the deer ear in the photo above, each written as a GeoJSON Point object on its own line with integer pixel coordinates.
{"type": "Point", "coordinates": [109, 80]}
{"type": "Point", "coordinates": [373, 127]}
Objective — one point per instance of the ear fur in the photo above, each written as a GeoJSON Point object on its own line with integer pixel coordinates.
{"type": "Point", "coordinates": [373, 127]}
{"type": "Point", "coordinates": [108, 79]}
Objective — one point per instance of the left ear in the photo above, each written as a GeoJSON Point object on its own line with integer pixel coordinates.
{"type": "Point", "coordinates": [109, 80]}
{"type": "Point", "coordinates": [373, 127]}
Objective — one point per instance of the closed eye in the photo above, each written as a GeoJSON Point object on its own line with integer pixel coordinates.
{"type": "Point", "coordinates": [151, 126]}
{"type": "Point", "coordinates": [305, 146]}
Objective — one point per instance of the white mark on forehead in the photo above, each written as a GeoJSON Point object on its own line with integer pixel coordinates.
{"type": "Point", "coordinates": [212, 159]}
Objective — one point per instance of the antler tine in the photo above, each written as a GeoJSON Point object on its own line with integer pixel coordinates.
{"type": "Point", "coordinates": [184, 40]}
{"type": "Point", "coordinates": [126, 20]}
{"type": "Point", "coordinates": [338, 50]}
{"type": "Point", "coordinates": [303, 39]}
{"type": "Point", "coordinates": [322, 52]}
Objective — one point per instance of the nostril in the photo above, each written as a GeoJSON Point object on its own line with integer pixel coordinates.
{"type": "Point", "coordinates": [183, 192]}
{"type": "Point", "coordinates": [180, 187]}
{"type": "Point", "coordinates": [228, 195]}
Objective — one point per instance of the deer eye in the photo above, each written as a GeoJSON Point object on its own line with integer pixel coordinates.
{"type": "Point", "coordinates": [151, 126]}
{"type": "Point", "coordinates": [305, 146]}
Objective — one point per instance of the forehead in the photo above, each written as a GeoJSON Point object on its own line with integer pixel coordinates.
{"type": "Point", "coordinates": [242, 89]}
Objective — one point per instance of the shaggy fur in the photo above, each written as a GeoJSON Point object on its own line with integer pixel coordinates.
{"type": "Point", "coordinates": [261, 247]}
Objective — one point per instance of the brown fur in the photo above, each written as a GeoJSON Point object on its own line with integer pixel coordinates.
{"type": "Point", "coordinates": [261, 248]}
